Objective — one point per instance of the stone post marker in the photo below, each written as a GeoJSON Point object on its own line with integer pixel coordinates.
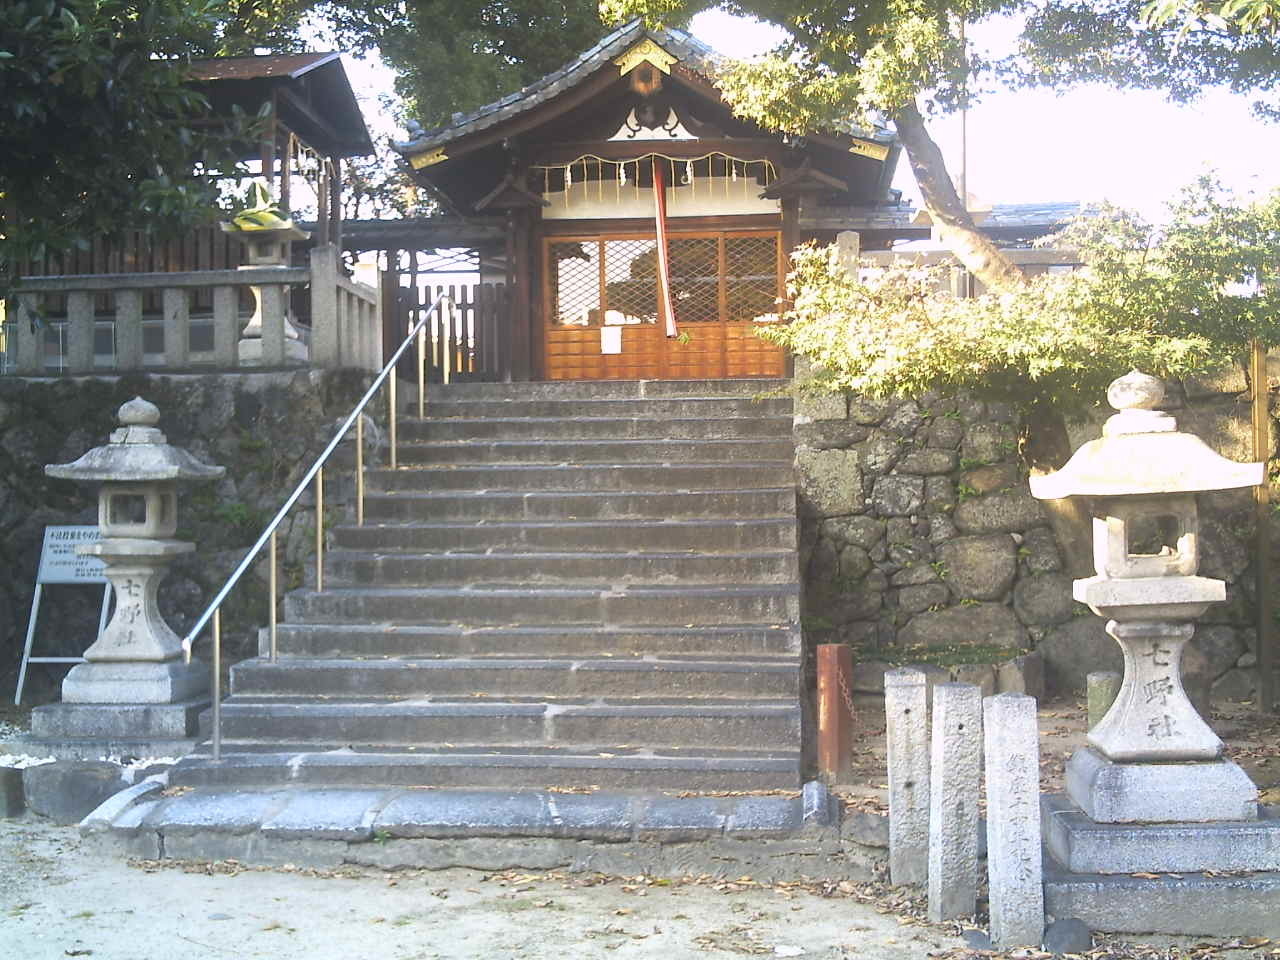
{"type": "Point", "coordinates": [135, 684]}
{"type": "Point", "coordinates": [906, 703]}
{"type": "Point", "coordinates": [1014, 860]}
{"type": "Point", "coordinates": [953, 801]}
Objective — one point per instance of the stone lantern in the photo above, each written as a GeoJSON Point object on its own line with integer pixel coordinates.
{"type": "Point", "coordinates": [268, 248]}
{"type": "Point", "coordinates": [1141, 478]}
{"type": "Point", "coordinates": [138, 659]}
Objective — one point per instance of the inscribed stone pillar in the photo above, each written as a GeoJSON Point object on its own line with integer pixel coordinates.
{"type": "Point", "coordinates": [953, 801]}
{"type": "Point", "coordinates": [1013, 820]}
{"type": "Point", "coordinates": [906, 709]}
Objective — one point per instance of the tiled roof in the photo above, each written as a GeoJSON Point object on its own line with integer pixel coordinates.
{"type": "Point", "coordinates": [290, 65]}
{"type": "Point", "coordinates": [904, 217]}
{"type": "Point", "coordinates": [693, 54]}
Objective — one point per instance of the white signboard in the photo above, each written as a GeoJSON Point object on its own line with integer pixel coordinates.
{"type": "Point", "coordinates": [59, 562]}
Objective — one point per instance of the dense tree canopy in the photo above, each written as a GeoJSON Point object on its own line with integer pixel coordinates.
{"type": "Point", "coordinates": [99, 129]}
{"type": "Point", "coordinates": [455, 55]}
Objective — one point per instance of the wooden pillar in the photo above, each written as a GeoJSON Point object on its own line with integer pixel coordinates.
{"type": "Point", "coordinates": [790, 240]}
{"type": "Point", "coordinates": [267, 147]}
{"type": "Point", "coordinates": [335, 201]}
{"type": "Point", "coordinates": [392, 311]}
{"type": "Point", "coordinates": [519, 283]}
{"type": "Point", "coordinates": [286, 173]}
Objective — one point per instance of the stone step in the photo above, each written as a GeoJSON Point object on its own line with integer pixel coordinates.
{"type": "Point", "coordinates": [691, 605]}
{"type": "Point", "coordinates": [337, 723]}
{"type": "Point", "coordinates": [532, 450]}
{"type": "Point", "coordinates": [547, 678]}
{"type": "Point", "coordinates": [576, 535]}
{"type": "Point", "coordinates": [448, 405]}
{"type": "Point", "coordinates": [744, 388]}
{"type": "Point", "coordinates": [606, 768]}
{"type": "Point", "coordinates": [601, 505]}
{"type": "Point", "coordinates": [360, 568]}
{"type": "Point", "coordinates": [745, 475]}
{"type": "Point", "coordinates": [643, 425]}
{"type": "Point", "coordinates": [393, 640]}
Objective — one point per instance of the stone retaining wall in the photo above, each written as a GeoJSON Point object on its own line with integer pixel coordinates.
{"type": "Point", "coordinates": [266, 428]}
{"type": "Point", "coordinates": [918, 530]}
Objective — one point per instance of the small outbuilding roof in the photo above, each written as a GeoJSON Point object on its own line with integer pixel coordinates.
{"type": "Point", "coordinates": [289, 65]}
{"type": "Point", "coordinates": [312, 94]}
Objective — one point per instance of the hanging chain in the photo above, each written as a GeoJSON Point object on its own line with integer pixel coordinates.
{"type": "Point", "coordinates": [846, 697]}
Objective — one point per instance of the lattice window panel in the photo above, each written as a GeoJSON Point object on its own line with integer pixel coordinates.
{"type": "Point", "coordinates": [751, 276]}
{"type": "Point", "coordinates": [631, 280]}
{"type": "Point", "coordinates": [575, 280]}
{"type": "Point", "coordinates": [695, 278]}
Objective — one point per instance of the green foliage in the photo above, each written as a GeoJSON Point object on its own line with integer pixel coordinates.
{"type": "Point", "coordinates": [100, 131]}
{"type": "Point", "coordinates": [1249, 16]}
{"type": "Point", "coordinates": [841, 61]}
{"type": "Point", "coordinates": [1067, 42]}
{"type": "Point", "coordinates": [455, 55]}
{"type": "Point", "coordinates": [1173, 302]}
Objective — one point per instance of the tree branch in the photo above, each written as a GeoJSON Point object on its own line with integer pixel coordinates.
{"type": "Point", "coordinates": [974, 249]}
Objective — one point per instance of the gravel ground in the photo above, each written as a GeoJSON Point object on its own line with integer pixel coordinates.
{"type": "Point", "coordinates": [60, 900]}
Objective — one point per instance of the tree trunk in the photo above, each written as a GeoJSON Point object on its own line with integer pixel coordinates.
{"type": "Point", "coordinates": [1046, 448]}
{"type": "Point", "coordinates": [972, 248]}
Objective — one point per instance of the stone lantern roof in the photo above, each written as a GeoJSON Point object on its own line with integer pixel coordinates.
{"type": "Point", "coordinates": [1142, 452]}
{"type": "Point", "coordinates": [137, 452]}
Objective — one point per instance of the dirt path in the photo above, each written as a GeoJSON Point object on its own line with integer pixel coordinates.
{"type": "Point", "coordinates": [59, 900]}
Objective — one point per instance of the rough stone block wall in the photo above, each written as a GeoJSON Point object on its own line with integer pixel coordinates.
{"type": "Point", "coordinates": [266, 428]}
{"type": "Point", "coordinates": [919, 531]}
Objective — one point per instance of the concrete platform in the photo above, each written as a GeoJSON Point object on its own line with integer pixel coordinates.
{"type": "Point", "coordinates": [774, 835]}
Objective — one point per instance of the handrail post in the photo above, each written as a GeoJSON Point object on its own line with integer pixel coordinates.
{"type": "Point", "coordinates": [422, 371]}
{"type": "Point", "coordinates": [391, 404]}
{"type": "Point", "coordinates": [217, 684]}
{"type": "Point", "coordinates": [320, 530]}
{"type": "Point", "coordinates": [360, 471]}
{"type": "Point", "coordinates": [446, 365]}
{"type": "Point", "coordinates": [272, 608]}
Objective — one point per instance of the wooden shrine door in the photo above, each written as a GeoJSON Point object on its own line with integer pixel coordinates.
{"type": "Point", "coordinates": [600, 306]}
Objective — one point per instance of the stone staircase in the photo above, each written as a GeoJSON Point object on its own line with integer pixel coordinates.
{"type": "Point", "coordinates": [566, 585]}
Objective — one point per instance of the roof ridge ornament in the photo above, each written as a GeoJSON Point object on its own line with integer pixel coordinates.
{"type": "Point", "coordinates": [646, 51]}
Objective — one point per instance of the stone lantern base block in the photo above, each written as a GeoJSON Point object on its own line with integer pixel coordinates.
{"type": "Point", "coordinates": [115, 721]}
{"type": "Point", "coordinates": [1196, 904]}
{"type": "Point", "coordinates": [249, 352]}
{"type": "Point", "coordinates": [107, 682]}
{"type": "Point", "coordinates": [1083, 846]}
{"type": "Point", "coordinates": [1110, 792]}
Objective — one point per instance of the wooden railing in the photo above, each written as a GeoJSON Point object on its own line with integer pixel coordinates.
{"type": "Point", "coordinates": [174, 321]}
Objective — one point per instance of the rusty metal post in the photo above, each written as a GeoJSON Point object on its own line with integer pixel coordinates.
{"type": "Point", "coordinates": [835, 713]}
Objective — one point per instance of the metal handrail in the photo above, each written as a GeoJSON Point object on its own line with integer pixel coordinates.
{"type": "Point", "coordinates": [444, 302]}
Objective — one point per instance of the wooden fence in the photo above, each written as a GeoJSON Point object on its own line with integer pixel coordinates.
{"type": "Point", "coordinates": [477, 344]}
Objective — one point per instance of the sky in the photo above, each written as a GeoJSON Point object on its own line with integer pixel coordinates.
{"type": "Point", "coordinates": [1097, 143]}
